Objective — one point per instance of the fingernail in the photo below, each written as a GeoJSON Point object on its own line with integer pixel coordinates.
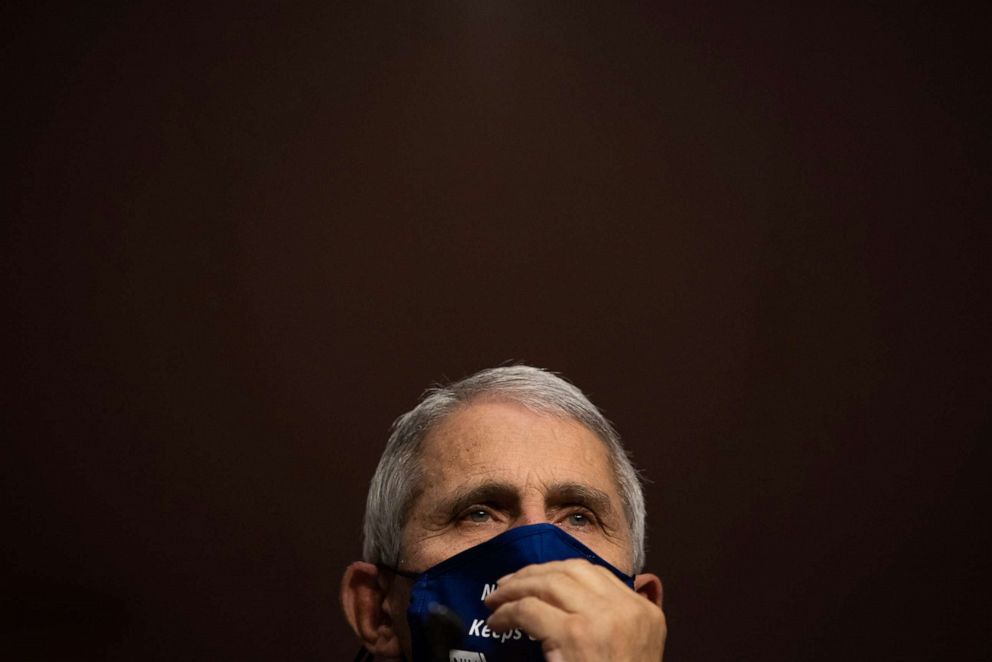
{"type": "Point", "coordinates": [504, 577]}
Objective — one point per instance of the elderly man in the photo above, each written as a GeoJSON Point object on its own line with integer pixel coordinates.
{"type": "Point", "coordinates": [506, 498]}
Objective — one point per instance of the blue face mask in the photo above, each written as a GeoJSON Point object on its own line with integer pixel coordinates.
{"type": "Point", "coordinates": [461, 582]}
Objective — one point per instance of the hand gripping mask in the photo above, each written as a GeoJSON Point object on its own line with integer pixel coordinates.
{"type": "Point", "coordinates": [461, 582]}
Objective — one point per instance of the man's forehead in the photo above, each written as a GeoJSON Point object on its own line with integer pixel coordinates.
{"type": "Point", "coordinates": [492, 427]}
{"type": "Point", "coordinates": [505, 442]}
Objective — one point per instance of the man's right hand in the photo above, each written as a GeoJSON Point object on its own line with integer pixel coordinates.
{"type": "Point", "coordinates": [580, 612]}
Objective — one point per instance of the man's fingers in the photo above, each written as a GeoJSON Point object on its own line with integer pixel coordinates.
{"type": "Point", "coordinates": [580, 569]}
{"type": "Point", "coordinates": [532, 615]}
{"type": "Point", "coordinates": [555, 588]}
{"type": "Point", "coordinates": [565, 584]}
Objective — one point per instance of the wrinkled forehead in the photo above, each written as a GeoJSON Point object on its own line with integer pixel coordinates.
{"type": "Point", "coordinates": [507, 442]}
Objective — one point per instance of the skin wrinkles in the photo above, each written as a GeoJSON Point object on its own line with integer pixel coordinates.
{"type": "Point", "coordinates": [516, 467]}
{"type": "Point", "coordinates": [501, 507]}
{"type": "Point", "coordinates": [500, 504]}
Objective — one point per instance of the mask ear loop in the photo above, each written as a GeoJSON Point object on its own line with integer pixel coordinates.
{"type": "Point", "coordinates": [397, 571]}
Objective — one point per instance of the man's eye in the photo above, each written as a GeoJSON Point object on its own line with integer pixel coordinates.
{"type": "Point", "coordinates": [578, 519]}
{"type": "Point", "coordinates": [477, 516]}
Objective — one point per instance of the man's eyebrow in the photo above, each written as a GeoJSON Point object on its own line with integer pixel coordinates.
{"type": "Point", "coordinates": [504, 494]}
{"type": "Point", "coordinates": [563, 494]}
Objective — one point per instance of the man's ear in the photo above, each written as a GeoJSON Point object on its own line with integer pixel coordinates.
{"type": "Point", "coordinates": [650, 587]}
{"type": "Point", "coordinates": [362, 599]}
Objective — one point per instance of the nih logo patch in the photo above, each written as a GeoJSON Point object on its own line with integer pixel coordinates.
{"type": "Point", "coordinates": [465, 656]}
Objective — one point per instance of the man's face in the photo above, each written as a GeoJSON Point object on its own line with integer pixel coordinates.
{"type": "Point", "coordinates": [493, 465]}
{"type": "Point", "coordinates": [488, 467]}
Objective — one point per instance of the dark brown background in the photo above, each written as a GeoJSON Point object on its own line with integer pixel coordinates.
{"type": "Point", "coordinates": [243, 237]}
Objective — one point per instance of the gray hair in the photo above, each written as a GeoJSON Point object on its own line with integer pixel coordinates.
{"type": "Point", "coordinates": [397, 479]}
